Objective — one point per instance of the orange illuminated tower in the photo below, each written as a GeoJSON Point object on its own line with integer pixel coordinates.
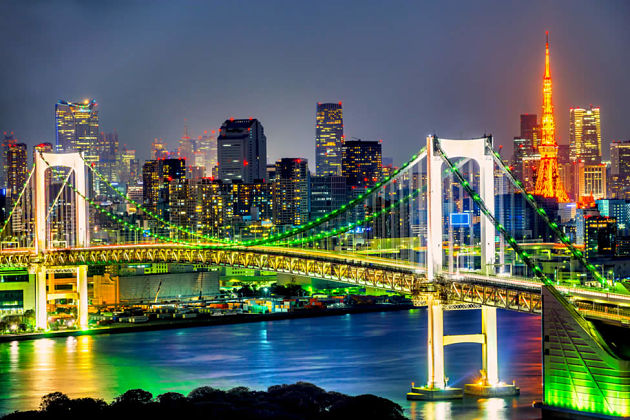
{"type": "Point", "coordinates": [548, 183]}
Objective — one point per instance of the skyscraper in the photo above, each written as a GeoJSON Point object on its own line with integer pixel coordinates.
{"type": "Point", "coordinates": [600, 236]}
{"type": "Point", "coordinates": [591, 181]}
{"type": "Point", "coordinates": [159, 179]}
{"type": "Point", "coordinates": [7, 141]}
{"type": "Point", "coordinates": [328, 193]}
{"type": "Point", "coordinates": [530, 130]}
{"type": "Point", "coordinates": [620, 158]}
{"type": "Point", "coordinates": [291, 192]}
{"type": "Point", "coordinates": [361, 162]}
{"type": "Point", "coordinates": [17, 174]}
{"type": "Point", "coordinates": [585, 135]}
{"type": "Point", "coordinates": [187, 146]}
{"type": "Point", "coordinates": [242, 150]}
{"type": "Point", "coordinates": [77, 127]}
{"type": "Point", "coordinates": [17, 170]}
{"type": "Point", "coordinates": [158, 149]}
{"type": "Point", "coordinates": [206, 152]}
{"type": "Point", "coordinates": [126, 157]}
{"type": "Point", "coordinates": [328, 139]}
{"type": "Point", "coordinates": [548, 183]}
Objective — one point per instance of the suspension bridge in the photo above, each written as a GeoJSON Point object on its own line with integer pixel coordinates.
{"type": "Point", "coordinates": [398, 235]}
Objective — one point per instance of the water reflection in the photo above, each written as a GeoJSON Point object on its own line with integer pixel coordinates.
{"type": "Point", "coordinates": [379, 353]}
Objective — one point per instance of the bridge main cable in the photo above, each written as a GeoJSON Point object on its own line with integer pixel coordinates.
{"type": "Point", "coordinates": [115, 218]}
{"type": "Point", "coordinates": [17, 201]}
{"type": "Point", "coordinates": [150, 213]}
{"type": "Point", "coordinates": [564, 239]}
{"type": "Point", "coordinates": [343, 229]}
{"type": "Point", "coordinates": [344, 208]}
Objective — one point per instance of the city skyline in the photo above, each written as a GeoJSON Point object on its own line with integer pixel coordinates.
{"type": "Point", "coordinates": [377, 84]}
{"type": "Point", "coordinates": [171, 189]}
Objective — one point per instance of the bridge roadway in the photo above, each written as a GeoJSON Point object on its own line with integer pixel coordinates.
{"type": "Point", "coordinates": [513, 293]}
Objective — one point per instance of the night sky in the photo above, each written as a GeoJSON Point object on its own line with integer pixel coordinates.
{"type": "Point", "coordinates": [403, 69]}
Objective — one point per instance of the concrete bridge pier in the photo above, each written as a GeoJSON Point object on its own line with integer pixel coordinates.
{"type": "Point", "coordinates": [41, 295]}
{"type": "Point", "coordinates": [82, 291]}
{"type": "Point", "coordinates": [41, 315]}
{"type": "Point", "coordinates": [437, 384]}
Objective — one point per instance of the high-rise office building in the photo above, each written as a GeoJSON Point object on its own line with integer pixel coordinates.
{"type": "Point", "coordinates": [17, 170]}
{"type": "Point", "coordinates": [328, 139]}
{"type": "Point", "coordinates": [525, 162]}
{"type": "Point", "coordinates": [159, 177]}
{"type": "Point", "coordinates": [186, 147]}
{"type": "Point", "coordinates": [127, 156]}
{"type": "Point", "coordinates": [600, 233]}
{"type": "Point", "coordinates": [106, 159]}
{"type": "Point", "coordinates": [328, 193]}
{"type": "Point", "coordinates": [619, 185]}
{"type": "Point", "coordinates": [8, 139]}
{"type": "Point", "coordinates": [591, 181]}
{"type": "Point", "coordinates": [619, 209]}
{"type": "Point", "coordinates": [206, 152]}
{"type": "Point", "coordinates": [242, 150]}
{"type": "Point", "coordinates": [620, 158]}
{"type": "Point", "coordinates": [158, 150]}
{"type": "Point", "coordinates": [526, 157]}
{"type": "Point", "coordinates": [361, 163]}
{"type": "Point", "coordinates": [548, 182]}
{"type": "Point", "coordinates": [151, 182]}
{"type": "Point", "coordinates": [530, 130]}
{"type": "Point", "coordinates": [291, 192]}
{"type": "Point", "coordinates": [77, 127]}
{"type": "Point", "coordinates": [585, 135]}
{"type": "Point", "coordinates": [107, 147]}
{"type": "Point", "coordinates": [215, 209]}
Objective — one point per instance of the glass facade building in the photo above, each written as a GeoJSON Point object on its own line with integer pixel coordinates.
{"type": "Point", "coordinates": [242, 150]}
{"type": "Point", "coordinates": [291, 192]}
{"type": "Point", "coordinates": [585, 135]}
{"type": "Point", "coordinates": [328, 139]}
{"type": "Point", "coordinates": [77, 128]}
{"type": "Point", "coordinates": [362, 163]}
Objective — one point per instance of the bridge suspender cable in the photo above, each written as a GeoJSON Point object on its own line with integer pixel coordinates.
{"type": "Point", "coordinates": [297, 230]}
{"type": "Point", "coordinates": [17, 201]}
{"type": "Point", "coordinates": [52, 206]}
{"type": "Point", "coordinates": [482, 206]}
{"type": "Point", "coordinates": [112, 216]}
{"type": "Point", "coordinates": [350, 226]}
{"type": "Point", "coordinates": [564, 239]}
{"type": "Point", "coordinates": [367, 219]}
{"type": "Point", "coordinates": [150, 213]}
{"type": "Point", "coordinates": [343, 209]}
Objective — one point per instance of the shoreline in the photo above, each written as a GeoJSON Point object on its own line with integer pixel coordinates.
{"type": "Point", "coordinates": [205, 322]}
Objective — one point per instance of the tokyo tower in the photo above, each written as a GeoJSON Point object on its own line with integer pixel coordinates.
{"type": "Point", "coordinates": [548, 183]}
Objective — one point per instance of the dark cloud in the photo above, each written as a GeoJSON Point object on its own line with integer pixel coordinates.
{"type": "Point", "coordinates": [402, 69]}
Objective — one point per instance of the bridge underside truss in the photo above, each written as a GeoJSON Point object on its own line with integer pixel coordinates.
{"type": "Point", "coordinates": [343, 271]}
{"type": "Point", "coordinates": [512, 299]}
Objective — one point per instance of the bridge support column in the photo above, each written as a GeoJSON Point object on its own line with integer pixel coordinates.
{"type": "Point", "coordinates": [82, 291]}
{"type": "Point", "coordinates": [434, 211]}
{"type": "Point", "coordinates": [41, 298]}
{"type": "Point", "coordinates": [435, 350]}
{"type": "Point", "coordinates": [490, 385]}
{"type": "Point", "coordinates": [489, 347]}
